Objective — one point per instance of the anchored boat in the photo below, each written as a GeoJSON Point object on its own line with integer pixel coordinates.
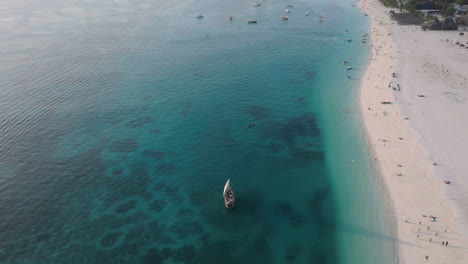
{"type": "Point", "coordinates": [229, 199]}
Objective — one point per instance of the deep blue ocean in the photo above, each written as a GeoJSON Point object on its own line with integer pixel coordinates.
{"type": "Point", "coordinates": [121, 120]}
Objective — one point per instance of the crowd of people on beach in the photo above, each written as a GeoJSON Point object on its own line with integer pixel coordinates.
{"type": "Point", "coordinates": [384, 90]}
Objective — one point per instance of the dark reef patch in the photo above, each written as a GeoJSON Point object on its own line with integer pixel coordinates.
{"type": "Point", "coordinates": [44, 237]}
{"type": "Point", "coordinates": [136, 233]}
{"type": "Point", "coordinates": [153, 154]}
{"type": "Point", "coordinates": [171, 191]}
{"type": "Point", "coordinates": [117, 172]}
{"type": "Point", "coordinates": [309, 155]}
{"type": "Point", "coordinates": [318, 204]}
{"type": "Point", "coordinates": [165, 168]}
{"type": "Point", "coordinates": [198, 196]}
{"type": "Point", "coordinates": [156, 256]}
{"type": "Point", "coordinates": [185, 213]}
{"type": "Point", "coordinates": [159, 186]}
{"type": "Point", "coordinates": [185, 253]}
{"type": "Point", "coordinates": [140, 122]}
{"type": "Point", "coordinates": [274, 147]}
{"type": "Point", "coordinates": [297, 220]}
{"type": "Point", "coordinates": [156, 232]}
{"type": "Point", "coordinates": [309, 75]}
{"type": "Point", "coordinates": [257, 111]}
{"type": "Point", "coordinates": [186, 228]}
{"type": "Point", "coordinates": [284, 208]}
{"type": "Point", "coordinates": [291, 252]}
{"type": "Point", "coordinates": [186, 107]}
{"type": "Point", "coordinates": [111, 221]}
{"type": "Point", "coordinates": [301, 101]}
{"type": "Point", "coordinates": [126, 207]}
{"type": "Point", "coordinates": [317, 198]}
{"type": "Point", "coordinates": [157, 205]}
{"type": "Point", "coordinates": [124, 145]}
{"type": "Point", "coordinates": [110, 239]}
{"type": "Point", "coordinates": [287, 131]}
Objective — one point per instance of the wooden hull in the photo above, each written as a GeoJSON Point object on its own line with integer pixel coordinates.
{"type": "Point", "coordinates": [229, 199]}
{"type": "Point", "coordinates": [228, 194]}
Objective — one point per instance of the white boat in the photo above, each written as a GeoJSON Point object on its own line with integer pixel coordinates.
{"type": "Point", "coordinates": [307, 14]}
{"type": "Point", "coordinates": [228, 194]}
{"type": "Point", "coordinates": [287, 10]}
{"type": "Point", "coordinates": [257, 4]}
{"type": "Point", "coordinates": [199, 16]}
{"type": "Point", "coordinates": [284, 18]}
{"type": "Point", "coordinates": [348, 68]}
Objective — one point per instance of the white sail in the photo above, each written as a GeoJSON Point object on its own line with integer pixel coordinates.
{"type": "Point", "coordinates": [227, 186]}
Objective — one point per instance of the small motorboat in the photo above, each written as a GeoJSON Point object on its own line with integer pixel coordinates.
{"type": "Point", "coordinates": [344, 62]}
{"type": "Point", "coordinates": [349, 40]}
{"type": "Point", "coordinates": [252, 21]}
{"type": "Point", "coordinates": [348, 68]}
{"type": "Point", "coordinates": [229, 199]}
{"type": "Point", "coordinates": [230, 18]}
{"type": "Point", "coordinates": [251, 125]}
{"type": "Point", "coordinates": [199, 16]}
{"type": "Point", "coordinates": [284, 18]}
{"type": "Point", "coordinates": [290, 5]}
{"type": "Point", "coordinates": [349, 77]}
{"type": "Point", "coordinates": [307, 14]}
{"type": "Point", "coordinates": [287, 10]}
{"type": "Point", "coordinates": [257, 4]}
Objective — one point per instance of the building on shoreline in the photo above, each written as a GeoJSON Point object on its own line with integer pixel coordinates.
{"type": "Point", "coordinates": [460, 8]}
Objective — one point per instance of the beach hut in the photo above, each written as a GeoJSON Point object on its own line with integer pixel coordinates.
{"type": "Point", "coordinates": [427, 5]}
{"type": "Point", "coordinates": [432, 25]}
{"type": "Point", "coordinates": [449, 24]}
{"type": "Point", "coordinates": [463, 20]}
{"type": "Point", "coordinates": [427, 8]}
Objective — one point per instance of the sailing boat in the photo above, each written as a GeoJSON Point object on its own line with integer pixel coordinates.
{"type": "Point", "coordinates": [228, 194]}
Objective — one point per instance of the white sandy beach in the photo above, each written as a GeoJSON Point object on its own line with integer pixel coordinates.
{"type": "Point", "coordinates": [419, 140]}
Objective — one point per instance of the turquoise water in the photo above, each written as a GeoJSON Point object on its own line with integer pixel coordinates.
{"type": "Point", "coordinates": [122, 120]}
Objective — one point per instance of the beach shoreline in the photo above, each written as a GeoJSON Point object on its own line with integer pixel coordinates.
{"type": "Point", "coordinates": [395, 126]}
